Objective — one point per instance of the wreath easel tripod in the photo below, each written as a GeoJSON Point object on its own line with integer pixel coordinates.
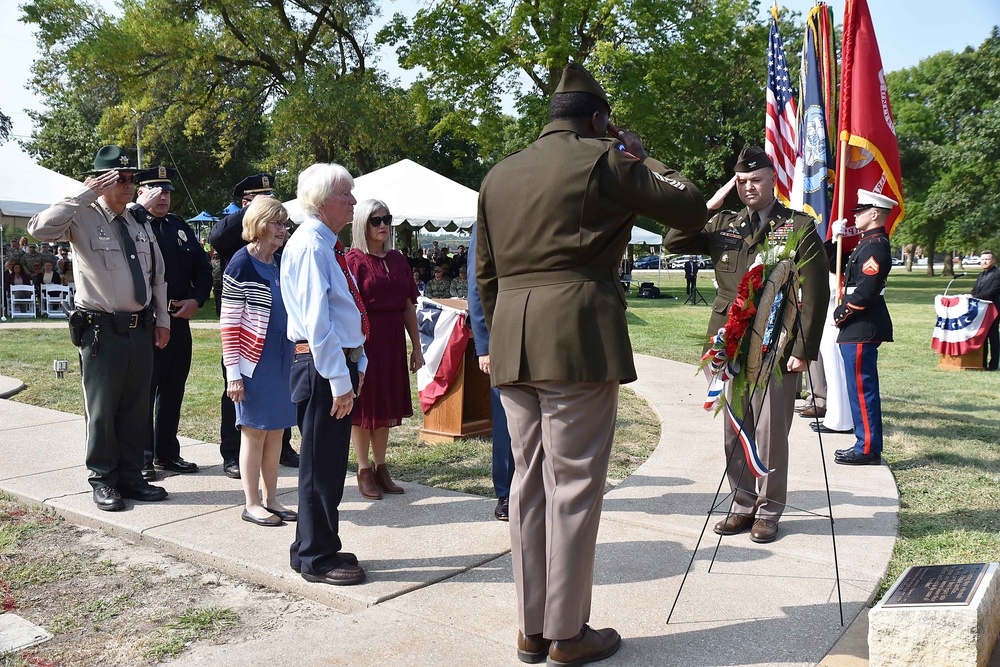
{"type": "Point", "coordinates": [771, 327]}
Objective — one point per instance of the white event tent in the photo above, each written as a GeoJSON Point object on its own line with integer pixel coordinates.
{"type": "Point", "coordinates": [417, 197]}
{"type": "Point", "coordinates": [27, 188]}
{"type": "Point", "coordinates": [641, 236]}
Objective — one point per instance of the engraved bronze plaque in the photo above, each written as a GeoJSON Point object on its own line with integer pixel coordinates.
{"type": "Point", "coordinates": [937, 585]}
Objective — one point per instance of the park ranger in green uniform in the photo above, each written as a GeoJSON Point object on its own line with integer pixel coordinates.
{"type": "Point", "coordinates": [121, 299]}
{"type": "Point", "coordinates": [554, 221]}
{"type": "Point", "coordinates": [734, 239]}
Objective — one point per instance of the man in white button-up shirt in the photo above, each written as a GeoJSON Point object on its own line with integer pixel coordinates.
{"type": "Point", "coordinates": [328, 327]}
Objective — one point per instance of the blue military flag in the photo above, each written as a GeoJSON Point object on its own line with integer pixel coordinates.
{"type": "Point", "coordinates": [814, 145]}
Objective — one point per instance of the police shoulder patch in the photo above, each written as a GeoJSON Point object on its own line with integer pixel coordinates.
{"type": "Point", "coordinates": [870, 267]}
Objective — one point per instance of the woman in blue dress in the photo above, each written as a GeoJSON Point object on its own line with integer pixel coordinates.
{"type": "Point", "coordinates": [258, 357]}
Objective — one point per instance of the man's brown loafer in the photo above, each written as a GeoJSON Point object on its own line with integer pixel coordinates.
{"type": "Point", "coordinates": [587, 647]}
{"type": "Point", "coordinates": [764, 531]}
{"type": "Point", "coordinates": [813, 411]}
{"type": "Point", "coordinates": [734, 523]}
{"type": "Point", "coordinates": [342, 575]}
{"type": "Point", "coordinates": [532, 649]}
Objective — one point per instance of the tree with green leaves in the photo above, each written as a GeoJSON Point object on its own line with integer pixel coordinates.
{"type": "Point", "coordinates": [948, 126]}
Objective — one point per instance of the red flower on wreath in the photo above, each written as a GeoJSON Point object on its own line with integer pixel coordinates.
{"type": "Point", "coordinates": [742, 311]}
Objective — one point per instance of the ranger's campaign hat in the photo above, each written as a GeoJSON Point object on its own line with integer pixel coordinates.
{"type": "Point", "coordinates": [868, 199]}
{"type": "Point", "coordinates": [110, 158]}
{"type": "Point", "coordinates": [157, 177]}
{"type": "Point", "coordinates": [751, 159]}
{"type": "Point", "coordinates": [575, 79]}
{"type": "Point", "coordinates": [258, 184]}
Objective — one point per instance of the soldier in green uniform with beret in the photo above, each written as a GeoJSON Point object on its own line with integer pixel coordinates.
{"type": "Point", "coordinates": [121, 297]}
{"type": "Point", "coordinates": [734, 239]}
{"type": "Point", "coordinates": [553, 223]}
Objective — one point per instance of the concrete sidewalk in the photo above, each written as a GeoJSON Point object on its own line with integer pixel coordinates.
{"type": "Point", "coordinates": [440, 586]}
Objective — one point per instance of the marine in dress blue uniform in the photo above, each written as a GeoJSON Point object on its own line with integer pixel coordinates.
{"type": "Point", "coordinates": [864, 323]}
{"type": "Point", "coordinates": [189, 282]}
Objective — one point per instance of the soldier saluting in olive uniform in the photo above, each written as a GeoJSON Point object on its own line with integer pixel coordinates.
{"type": "Point", "coordinates": [121, 298]}
{"type": "Point", "coordinates": [864, 323]}
{"type": "Point", "coordinates": [734, 239]}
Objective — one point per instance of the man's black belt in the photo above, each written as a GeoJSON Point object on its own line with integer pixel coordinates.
{"type": "Point", "coordinates": [121, 321]}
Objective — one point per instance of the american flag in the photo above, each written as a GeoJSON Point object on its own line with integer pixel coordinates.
{"type": "Point", "coordinates": [780, 127]}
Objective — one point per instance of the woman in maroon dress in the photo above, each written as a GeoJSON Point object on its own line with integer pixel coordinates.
{"type": "Point", "coordinates": [390, 295]}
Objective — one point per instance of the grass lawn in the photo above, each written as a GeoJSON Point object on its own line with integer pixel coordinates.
{"type": "Point", "coordinates": [941, 427]}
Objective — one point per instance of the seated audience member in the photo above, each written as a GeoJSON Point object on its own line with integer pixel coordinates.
{"type": "Point", "coordinates": [421, 285]}
{"type": "Point", "coordinates": [460, 285]}
{"type": "Point", "coordinates": [62, 255]}
{"type": "Point", "coordinates": [440, 286]}
{"type": "Point", "coordinates": [67, 273]}
{"type": "Point", "coordinates": [47, 276]}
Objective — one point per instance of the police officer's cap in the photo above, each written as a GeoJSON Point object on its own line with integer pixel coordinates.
{"type": "Point", "coordinates": [258, 184]}
{"type": "Point", "coordinates": [110, 158]}
{"type": "Point", "coordinates": [157, 177]}
{"type": "Point", "coordinates": [575, 79]}
{"type": "Point", "coordinates": [868, 199]}
{"type": "Point", "coordinates": [751, 159]}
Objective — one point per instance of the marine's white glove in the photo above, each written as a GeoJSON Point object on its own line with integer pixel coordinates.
{"type": "Point", "coordinates": [839, 227]}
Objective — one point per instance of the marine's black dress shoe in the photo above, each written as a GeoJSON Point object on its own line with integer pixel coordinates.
{"type": "Point", "coordinates": [108, 499]}
{"type": "Point", "coordinates": [284, 515]}
{"type": "Point", "coordinates": [269, 521]}
{"type": "Point", "coordinates": [502, 511]}
{"type": "Point", "coordinates": [342, 575]}
{"type": "Point", "coordinates": [232, 469]}
{"type": "Point", "coordinates": [176, 465]}
{"type": "Point", "coordinates": [149, 473]}
{"type": "Point", "coordinates": [289, 459]}
{"type": "Point", "coordinates": [142, 491]}
{"type": "Point", "coordinates": [822, 428]}
{"type": "Point", "coordinates": [842, 452]}
{"type": "Point", "coordinates": [853, 458]}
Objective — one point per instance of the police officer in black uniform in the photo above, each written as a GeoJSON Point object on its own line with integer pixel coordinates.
{"type": "Point", "coordinates": [864, 323]}
{"type": "Point", "coordinates": [189, 282]}
{"type": "Point", "coordinates": [227, 237]}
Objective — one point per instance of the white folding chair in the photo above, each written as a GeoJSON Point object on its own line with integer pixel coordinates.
{"type": "Point", "coordinates": [22, 301]}
{"type": "Point", "coordinates": [53, 297]}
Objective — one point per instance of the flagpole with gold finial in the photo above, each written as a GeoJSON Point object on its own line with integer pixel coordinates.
{"type": "Point", "coordinates": [774, 11]}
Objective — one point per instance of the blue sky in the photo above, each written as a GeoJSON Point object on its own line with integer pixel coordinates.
{"type": "Point", "coordinates": [907, 31]}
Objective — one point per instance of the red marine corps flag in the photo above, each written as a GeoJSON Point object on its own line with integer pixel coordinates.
{"type": "Point", "coordinates": [869, 152]}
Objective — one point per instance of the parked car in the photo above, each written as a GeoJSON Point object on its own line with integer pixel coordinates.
{"type": "Point", "coordinates": [679, 261]}
{"type": "Point", "coordinates": [647, 262]}
{"type": "Point", "coordinates": [971, 260]}
{"type": "Point", "coordinates": [897, 261]}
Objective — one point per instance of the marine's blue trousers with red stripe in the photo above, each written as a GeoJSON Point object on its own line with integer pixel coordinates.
{"type": "Point", "coordinates": [861, 369]}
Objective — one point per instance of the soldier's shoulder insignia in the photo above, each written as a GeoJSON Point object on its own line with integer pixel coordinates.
{"type": "Point", "coordinates": [670, 181]}
{"type": "Point", "coordinates": [870, 267]}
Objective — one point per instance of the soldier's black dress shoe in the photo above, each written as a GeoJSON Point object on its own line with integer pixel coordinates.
{"type": "Point", "coordinates": [108, 499]}
{"type": "Point", "coordinates": [142, 491]}
{"type": "Point", "coordinates": [822, 428]}
{"type": "Point", "coordinates": [853, 458]}
{"type": "Point", "coordinates": [149, 473]}
{"type": "Point", "coordinates": [232, 469]}
{"type": "Point", "coordinates": [289, 459]}
{"type": "Point", "coordinates": [841, 452]}
{"type": "Point", "coordinates": [502, 511]}
{"type": "Point", "coordinates": [176, 465]}
{"type": "Point", "coordinates": [342, 575]}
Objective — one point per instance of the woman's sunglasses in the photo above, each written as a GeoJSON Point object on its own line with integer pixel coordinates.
{"type": "Point", "coordinates": [379, 220]}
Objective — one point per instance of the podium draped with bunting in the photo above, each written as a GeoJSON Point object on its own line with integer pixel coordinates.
{"type": "Point", "coordinates": [962, 325]}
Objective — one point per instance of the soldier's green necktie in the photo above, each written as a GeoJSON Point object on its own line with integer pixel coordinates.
{"type": "Point", "coordinates": [132, 257]}
{"type": "Point", "coordinates": [754, 223]}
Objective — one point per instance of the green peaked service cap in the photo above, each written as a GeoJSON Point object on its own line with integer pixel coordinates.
{"type": "Point", "coordinates": [575, 79]}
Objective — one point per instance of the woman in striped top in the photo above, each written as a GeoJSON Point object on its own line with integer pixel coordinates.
{"type": "Point", "coordinates": [258, 357]}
